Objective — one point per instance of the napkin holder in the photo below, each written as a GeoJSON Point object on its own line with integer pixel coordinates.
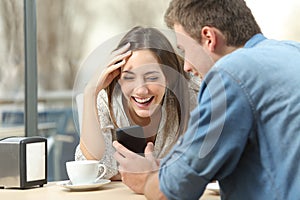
{"type": "Point", "coordinates": [23, 162]}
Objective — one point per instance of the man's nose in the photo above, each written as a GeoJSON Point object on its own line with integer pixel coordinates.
{"type": "Point", "coordinates": [187, 67]}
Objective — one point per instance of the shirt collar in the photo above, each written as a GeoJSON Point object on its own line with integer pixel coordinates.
{"type": "Point", "coordinates": [255, 40]}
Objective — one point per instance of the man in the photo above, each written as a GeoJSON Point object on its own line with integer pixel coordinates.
{"type": "Point", "coordinates": [245, 133]}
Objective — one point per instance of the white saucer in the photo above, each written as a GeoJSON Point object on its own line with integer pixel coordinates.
{"type": "Point", "coordinates": [213, 187]}
{"type": "Point", "coordinates": [67, 184]}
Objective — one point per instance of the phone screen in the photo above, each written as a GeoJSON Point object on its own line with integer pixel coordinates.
{"type": "Point", "coordinates": [132, 138]}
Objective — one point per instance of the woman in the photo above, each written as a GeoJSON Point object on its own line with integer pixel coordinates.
{"type": "Point", "coordinates": [144, 84]}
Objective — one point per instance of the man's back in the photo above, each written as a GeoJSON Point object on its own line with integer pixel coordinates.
{"type": "Point", "coordinates": [269, 75]}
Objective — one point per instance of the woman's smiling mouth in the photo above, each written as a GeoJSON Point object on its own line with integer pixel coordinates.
{"type": "Point", "coordinates": [143, 101]}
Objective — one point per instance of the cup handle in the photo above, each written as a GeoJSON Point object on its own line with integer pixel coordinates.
{"type": "Point", "coordinates": [103, 172]}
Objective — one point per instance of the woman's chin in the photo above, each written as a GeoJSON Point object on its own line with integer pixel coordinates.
{"type": "Point", "coordinates": [143, 113]}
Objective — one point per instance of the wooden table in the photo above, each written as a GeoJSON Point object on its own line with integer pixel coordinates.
{"type": "Point", "coordinates": [113, 191]}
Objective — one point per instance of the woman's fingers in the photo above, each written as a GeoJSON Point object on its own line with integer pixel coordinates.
{"type": "Point", "coordinates": [117, 58]}
{"type": "Point", "coordinates": [102, 78]}
{"type": "Point", "coordinates": [123, 150]}
{"type": "Point", "coordinates": [149, 150]}
{"type": "Point", "coordinates": [112, 72]}
{"type": "Point", "coordinates": [121, 50]}
{"type": "Point", "coordinates": [113, 68]}
{"type": "Point", "coordinates": [120, 54]}
{"type": "Point", "coordinates": [109, 74]}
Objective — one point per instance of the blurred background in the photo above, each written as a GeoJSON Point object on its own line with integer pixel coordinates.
{"type": "Point", "coordinates": [67, 32]}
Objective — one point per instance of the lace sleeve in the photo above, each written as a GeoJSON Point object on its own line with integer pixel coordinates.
{"type": "Point", "coordinates": [106, 129]}
{"type": "Point", "coordinates": [107, 159]}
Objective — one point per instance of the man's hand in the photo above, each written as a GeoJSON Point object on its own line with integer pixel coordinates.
{"type": "Point", "coordinates": [135, 169]}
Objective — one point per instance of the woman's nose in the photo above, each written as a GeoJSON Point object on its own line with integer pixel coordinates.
{"type": "Point", "coordinates": [141, 89]}
{"type": "Point", "coordinates": [140, 86]}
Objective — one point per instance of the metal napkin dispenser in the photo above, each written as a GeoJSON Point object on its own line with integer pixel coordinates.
{"type": "Point", "coordinates": [23, 162]}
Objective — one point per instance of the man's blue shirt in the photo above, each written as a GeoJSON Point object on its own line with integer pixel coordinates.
{"type": "Point", "coordinates": [245, 132]}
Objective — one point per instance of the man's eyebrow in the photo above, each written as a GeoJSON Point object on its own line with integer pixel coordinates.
{"type": "Point", "coordinates": [180, 47]}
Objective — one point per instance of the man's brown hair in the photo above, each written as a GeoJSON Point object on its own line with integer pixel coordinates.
{"type": "Point", "coordinates": [232, 17]}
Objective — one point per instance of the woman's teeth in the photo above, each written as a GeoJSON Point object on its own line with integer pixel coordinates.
{"type": "Point", "coordinates": [142, 100]}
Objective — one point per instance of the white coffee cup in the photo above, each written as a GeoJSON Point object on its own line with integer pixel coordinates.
{"type": "Point", "coordinates": [85, 171]}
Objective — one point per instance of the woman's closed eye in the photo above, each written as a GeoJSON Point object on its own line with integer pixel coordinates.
{"type": "Point", "coordinates": [128, 75]}
{"type": "Point", "coordinates": [128, 78]}
{"type": "Point", "coordinates": [152, 78]}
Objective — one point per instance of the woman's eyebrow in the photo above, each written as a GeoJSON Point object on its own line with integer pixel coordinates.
{"type": "Point", "coordinates": [147, 73]}
{"type": "Point", "coordinates": [152, 72]}
{"type": "Point", "coordinates": [128, 72]}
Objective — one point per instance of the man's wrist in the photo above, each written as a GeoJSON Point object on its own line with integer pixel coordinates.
{"type": "Point", "coordinates": [151, 187]}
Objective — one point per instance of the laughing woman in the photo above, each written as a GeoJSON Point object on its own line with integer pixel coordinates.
{"type": "Point", "coordinates": [143, 84]}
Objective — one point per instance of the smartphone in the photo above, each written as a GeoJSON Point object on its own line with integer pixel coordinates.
{"type": "Point", "coordinates": [133, 138]}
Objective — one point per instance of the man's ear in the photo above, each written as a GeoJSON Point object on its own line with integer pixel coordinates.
{"type": "Point", "coordinates": [209, 38]}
